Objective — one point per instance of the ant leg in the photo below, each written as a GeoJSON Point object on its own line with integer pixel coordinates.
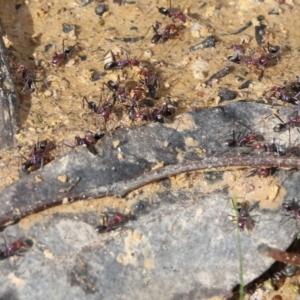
{"type": "Point", "coordinates": [261, 75]}
{"type": "Point", "coordinates": [64, 44]}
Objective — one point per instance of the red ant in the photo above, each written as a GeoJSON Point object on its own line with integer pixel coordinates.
{"type": "Point", "coordinates": [295, 122]}
{"type": "Point", "coordinates": [150, 81]}
{"type": "Point", "coordinates": [168, 32]}
{"type": "Point", "coordinates": [260, 61]}
{"type": "Point", "coordinates": [270, 148]}
{"type": "Point", "coordinates": [243, 218]}
{"type": "Point", "coordinates": [28, 79]}
{"type": "Point", "coordinates": [120, 94]}
{"type": "Point", "coordinates": [89, 140]}
{"type": "Point", "coordinates": [273, 52]}
{"type": "Point", "coordinates": [114, 222]}
{"type": "Point", "coordinates": [172, 14]}
{"type": "Point", "coordinates": [104, 111]}
{"type": "Point", "coordinates": [264, 172]}
{"type": "Point", "coordinates": [293, 209]}
{"type": "Point", "coordinates": [137, 94]}
{"type": "Point", "coordinates": [277, 91]}
{"type": "Point", "coordinates": [15, 248]}
{"type": "Point", "coordinates": [154, 115]}
{"type": "Point", "coordinates": [121, 64]}
{"type": "Point", "coordinates": [40, 156]}
{"type": "Point", "coordinates": [243, 141]}
{"type": "Point", "coordinates": [65, 55]}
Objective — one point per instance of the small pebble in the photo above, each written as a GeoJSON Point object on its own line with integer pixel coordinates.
{"type": "Point", "coordinates": [227, 95]}
{"type": "Point", "coordinates": [62, 178]}
{"type": "Point", "coordinates": [148, 54]}
{"type": "Point", "coordinates": [83, 57]}
{"type": "Point", "coordinates": [260, 18]}
{"type": "Point", "coordinates": [274, 11]}
{"type": "Point", "coordinates": [245, 85]}
{"type": "Point", "coordinates": [239, 78]}
{"type": "Point", "coordinates": [97, 75]}
{"type": "Point", "coordinates": [209, 42]}
{"type": "Point", "coordinates": [68, 27]}
{"type": "Point", "coordinates": [101, 9]}
{"type": "Point", "coordinates": [85, 2]}
{"type": "Point", "coordinates": [48, 47]}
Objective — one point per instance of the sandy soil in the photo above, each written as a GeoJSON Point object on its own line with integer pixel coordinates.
{"type": "Point", "coordinates": [55, 110]}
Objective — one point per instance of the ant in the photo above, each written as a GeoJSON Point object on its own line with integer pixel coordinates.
{"type": "Point", "coordinates": [150, 80]}
{"type": "Point", "coordinates": [137, 94]}
{"type": "Point", "coordinates": [273, 52]}
{"type": "Point", "coordinates": [277, 91]}
{"type": "Point", "coordinates": [40, 156]}
{"type": "Point", "coordinates": [154, 115]}
{"type": "Point", "coordinates": [172, 14]}
{"type": "Point", "coordinates": [15, 248]}
{"type": "Point", "coordinates": [243, 218]}
{"type": "Point", "coordinates": [293, 209]}
{"type": "Point", "coordinates": [264, 172]}
{"type": "Point", "coordinates": [89, 140]}
{"type": "Point", "coordinates": [296, 84]}
{"type": "Point", "coordinates": [65, 55]}
{"type": "Point", "coordinates": [261, 61]}
{"type": "Point", "coordinates": [121, 64]}
{"type": "Point", "coordinates": [243, 141]}
{"type": "Point", "coordinates": [28, 79]}
{"type": "Point", "coordinates": [104, 111]}
{"type": "Point", "coordinates": [270, 148]}
{"type": "Point", "coordinates": [168, 32]}
{"type": "Point", "coordinates": [120, 94]}
{"type": "Point", "coordinates": [295, 122]}
{"type": "Point", "coordinates": [113, 222]}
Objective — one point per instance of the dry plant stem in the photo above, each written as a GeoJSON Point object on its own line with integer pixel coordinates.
{"type": "Point", "coordinates": [279, 255]}
{"type": "Point", "coordinates": [202, 165]}
{"type": "Point", "coordinates": [122, 188]}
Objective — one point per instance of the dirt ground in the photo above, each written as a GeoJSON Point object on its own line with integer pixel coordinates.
{"type": "Point", "coordinates": [55, 111]}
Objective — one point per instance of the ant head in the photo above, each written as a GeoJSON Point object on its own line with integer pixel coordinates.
{"type": "Point", "coordinates": [92, 105]}
{"type": "Point", "coordinates": [280, 150]}
{"type": "Point", "coordinates": [69, 49]}
{"type": "Point", "coordinates": [132, 113]}
{"type": "Point", "coordinates": [235, 58]}
{"type": "Point", "coordinates": [294, 101]}
{"type": "Point", "coordinates": [156, 38]}
{"type": "Point", "coordinates": [79, 141]}
{"type": "Point", "coordinates": [279, 127]}
{"type": "Point", "coordinates": [113, 85]}
{"type": "Point", "coordinates": [98, 135]}
{"type": "Point", "coordinates": [289, 205]}
{"type": "Point", "coordinates": [42, 145]}
{"type": "Point", "coordinates": [159, 118]}
{"type": "Point", "coordinates": [230, 143]}
{"type": "Point", "coordinates": [163, 10]}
